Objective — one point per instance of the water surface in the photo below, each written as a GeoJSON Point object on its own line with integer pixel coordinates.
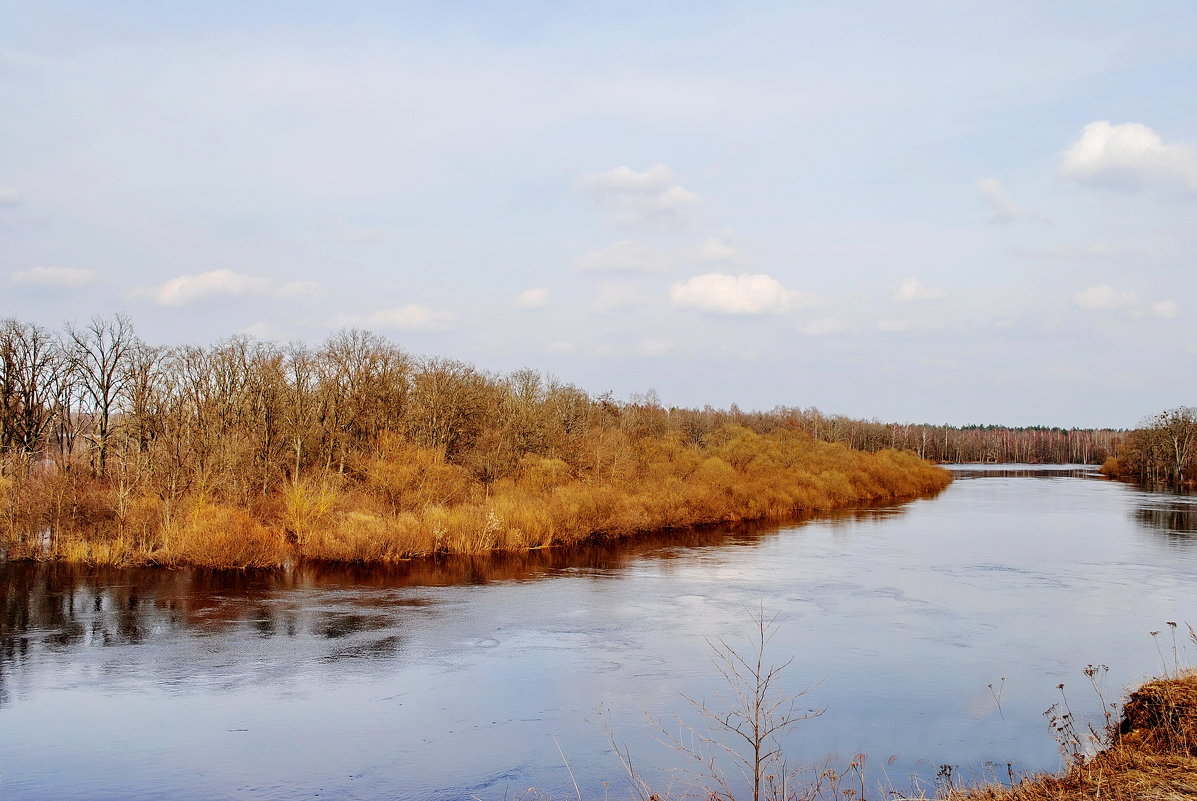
{"type": "Point", "coordinates": [462, 678]}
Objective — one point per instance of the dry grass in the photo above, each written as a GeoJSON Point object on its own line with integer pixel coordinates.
{"type": "Point", "coordinates": [411, 503]}
{"type": "Point", "coordinates": [1151, 756]}
{"type": "Point", "coordinates": [214, 535]}
{"type": "Point", "coordinates": [400, 501]}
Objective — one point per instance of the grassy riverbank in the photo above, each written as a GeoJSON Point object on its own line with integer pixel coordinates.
{"type": "Point", "coordinates": [1150, 756]}
{"type": "Point", "coordinates": [397, 500]}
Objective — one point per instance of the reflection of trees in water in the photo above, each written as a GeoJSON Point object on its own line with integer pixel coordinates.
{"type": "Point", "coordinates": [1027, 472]}
{"type": "Point", "coordinates": [1176, 520]}
{"type": "Point", "coordinates": [51, 610]}
{"type": "Point", "coordinates": [1167, 511]}
{"type": "Point", "coordinates": [342, 611]}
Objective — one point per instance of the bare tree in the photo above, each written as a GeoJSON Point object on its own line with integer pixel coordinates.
{"type": "Point", "coordinates": [364, 387]}
{"type": "Point", "coordinates": [101, 352]}
{"type": "Point", "coordinates": [746, 728]}
{"type": "Point", "coordinates": [1178, 429]}
{"type": "Point", "coordinates": [32, 370]}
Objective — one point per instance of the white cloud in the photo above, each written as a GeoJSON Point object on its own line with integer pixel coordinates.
{"type": "Point", "coordinates": [560, 346]}
{"type": "Point", "coordinates": [625, 257]}
{"type": "Point", "coordinates": [1003, 206]}
{"type": "Point", "coordinates": [187, 289]}
{"type": "Point", "coordinates": [532, 298]}
{"type": "Point", "coordinates": [1129, 156]}
{"type": "Point", "coordinates": [56, 277]}
{"type": "Point", "coordinates": [650, 199]}
{"type": "Point", "coordinates": [1104, 296]}
{"type": "Point", "coordinates": [184, 290]}
{"type": "Point", "coordinates": [738, 294]}
{"type": "Point", "coordinates": [1165, 309]}
{"type": "Point", "coordinates": [409, 317]}
{"type": "Point", "coordinates": [911, 290]}
{"type": "Point", "coordinates": [9, 196]}
{"type": "Point", "coordinates": [652, 347]}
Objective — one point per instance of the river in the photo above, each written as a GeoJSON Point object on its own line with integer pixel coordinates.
{"type": "Point", "coordinates": [929, 633]}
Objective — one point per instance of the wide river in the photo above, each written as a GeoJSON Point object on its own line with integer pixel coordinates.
{"type": "Point", "coordinates": [930, 633]}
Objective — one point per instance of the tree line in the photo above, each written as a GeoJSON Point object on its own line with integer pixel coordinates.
{"type": "Point", "coordinates": [955, 444]}
{"type": "Point", "coordinates": [1162, 450]}
{"type": "Point", "coordinates": [243, 451]}
{"type": "Point", "coordinates": [98, 396]}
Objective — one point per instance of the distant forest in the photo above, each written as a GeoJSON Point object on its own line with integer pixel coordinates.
{"type": "Point", "coordinates": [957, 444]}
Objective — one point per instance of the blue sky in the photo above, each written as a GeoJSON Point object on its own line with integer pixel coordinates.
{"type": "Point", "coordinates": [927, 211]}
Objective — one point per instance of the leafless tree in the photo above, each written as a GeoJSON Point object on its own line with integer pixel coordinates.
{"type": "Point", "coordinates": [748, 726]}
{"type": "Point", "coordinates": [32, 372]}
{"type": "Point", "coordinates": [1178, 430]}
{"type": "Point", "coordinates": [101, 352]}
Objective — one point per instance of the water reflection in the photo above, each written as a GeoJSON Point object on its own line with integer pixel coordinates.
{"type": "Point", "coordinates": [1174, 518]}
{"type": "Point", "coordinates": [332, 612]}
{"type": "Point", "coordinates": [968, 471]}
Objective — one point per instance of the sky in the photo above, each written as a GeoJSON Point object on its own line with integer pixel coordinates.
{"type": "Point", "coordinates": [944, 212]}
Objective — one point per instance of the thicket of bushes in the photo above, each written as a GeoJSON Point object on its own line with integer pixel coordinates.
{"type": "Point", "coordinates": [244, 452]}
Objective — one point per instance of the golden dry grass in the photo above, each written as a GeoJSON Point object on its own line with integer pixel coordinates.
{"type": "Point", "coordinates": [411, 503]}
{"type": "Point", "coordinates": [214, 535]}
{"type": "Point", "coordinates": [398, 501]}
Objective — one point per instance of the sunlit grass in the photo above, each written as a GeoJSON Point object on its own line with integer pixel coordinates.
{"type": "Point", "coordinates": [400, 501]}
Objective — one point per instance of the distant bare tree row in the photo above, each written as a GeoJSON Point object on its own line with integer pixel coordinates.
{"type": "Point", "coordinates": [951, 444]}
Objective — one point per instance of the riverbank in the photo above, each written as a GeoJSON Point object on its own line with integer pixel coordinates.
{"type": "Point", "coordinates": [400, 501]}
{"type": "Point", "coordinates": [1151, 756]}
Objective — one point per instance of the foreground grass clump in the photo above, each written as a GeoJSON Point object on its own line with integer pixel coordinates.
{"type": "Point", "coordinates": [397, 500]}
{"type": "Point", "coordinates": [1151, 756]}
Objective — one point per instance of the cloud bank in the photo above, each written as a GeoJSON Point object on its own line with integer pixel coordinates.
{"type": "Point", "coordinates": [719, 293]}
{"type": "Point", "coordinates": [186, 290]}
{"type": "Point", "coordinates": [1129, 156]}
